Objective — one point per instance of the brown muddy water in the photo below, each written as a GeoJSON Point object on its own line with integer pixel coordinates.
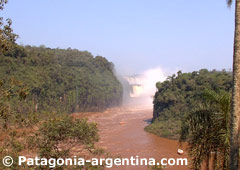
{"type": "Point", "coordinates": [130, 139]}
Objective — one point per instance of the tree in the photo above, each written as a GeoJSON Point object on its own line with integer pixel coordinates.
{"type": "Point", "coordinates": [177, 97]}
{"type": "Point", "coordinates": [7, 37]}
{"type": "Point", "coordinates": [12, 90]}
{"type": "Point", "coordinates": [207, 132]}
{"type": "Point", "coordinates": [235, 113]}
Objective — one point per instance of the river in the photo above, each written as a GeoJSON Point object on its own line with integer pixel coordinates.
{"type": "Point", "coordinates": [130, 139]}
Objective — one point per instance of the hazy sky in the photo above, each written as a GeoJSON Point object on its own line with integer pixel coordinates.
{"type": "Point", "coordinates": [134, 34]}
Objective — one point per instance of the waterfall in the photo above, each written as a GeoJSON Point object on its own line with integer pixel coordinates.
{"type": "Point", "coordinates": [142, 87]}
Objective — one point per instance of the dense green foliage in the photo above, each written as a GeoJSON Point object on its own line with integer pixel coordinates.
{"type": "Point", "coordinates": [59, 136]}
{"type": "Point", "coordinates": [13, 92]}
{"type": "Point", "coordinates": [66, 80]}
{"type": "Point", "coordinates": [35, 79]}
{"type": "Point", "coordinates": [207, 132]}
{"type": "Point", "coordinates": [180, 95]}
{"type": "Point", "coordinates": [66, 130]}
{"type": "Point", "coordinates": [7, 37]}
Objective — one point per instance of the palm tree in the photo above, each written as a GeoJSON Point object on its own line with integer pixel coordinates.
{"type": "Point", "coordinates": [235, 113]}
{"type": "Point", "coordinates": [207, 132]}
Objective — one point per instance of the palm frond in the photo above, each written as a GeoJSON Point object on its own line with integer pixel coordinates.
{"type": "Point", "coordinates": [207, 131]}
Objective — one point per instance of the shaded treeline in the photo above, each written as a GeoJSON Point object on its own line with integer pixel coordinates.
{"type": "Point", "coordinates": [180, 95]}
{"type": "Point", "coordinates": [62, 80]}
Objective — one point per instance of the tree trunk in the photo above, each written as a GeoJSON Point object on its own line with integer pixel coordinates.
{"type": "Point", "coordinates": [235, 112]}
{"type": "Point", "coordinates": [208, 161]}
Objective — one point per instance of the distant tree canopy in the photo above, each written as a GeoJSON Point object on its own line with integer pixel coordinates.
{"type": "Point", "coordinates": [69, 80]}
{"type": "Point", "coordinates": [181, 94]}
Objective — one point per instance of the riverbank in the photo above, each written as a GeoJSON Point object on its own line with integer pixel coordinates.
{"type": "Point", "coordinates": [128, 138]}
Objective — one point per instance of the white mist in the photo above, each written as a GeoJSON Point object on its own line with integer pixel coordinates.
{"type": "Point", "coordinates": [143, 87]}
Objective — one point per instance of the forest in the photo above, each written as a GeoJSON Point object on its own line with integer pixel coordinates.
{"type": "Point", "coordinates": [63, 80]}
{"type": "Point", "coordinates": [181, 95]}
{"type": "Point", "coordinates": [39, 87]}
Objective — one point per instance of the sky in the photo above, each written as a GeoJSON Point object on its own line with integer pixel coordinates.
{"type": "Point", "coordinates": [136, 35]}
